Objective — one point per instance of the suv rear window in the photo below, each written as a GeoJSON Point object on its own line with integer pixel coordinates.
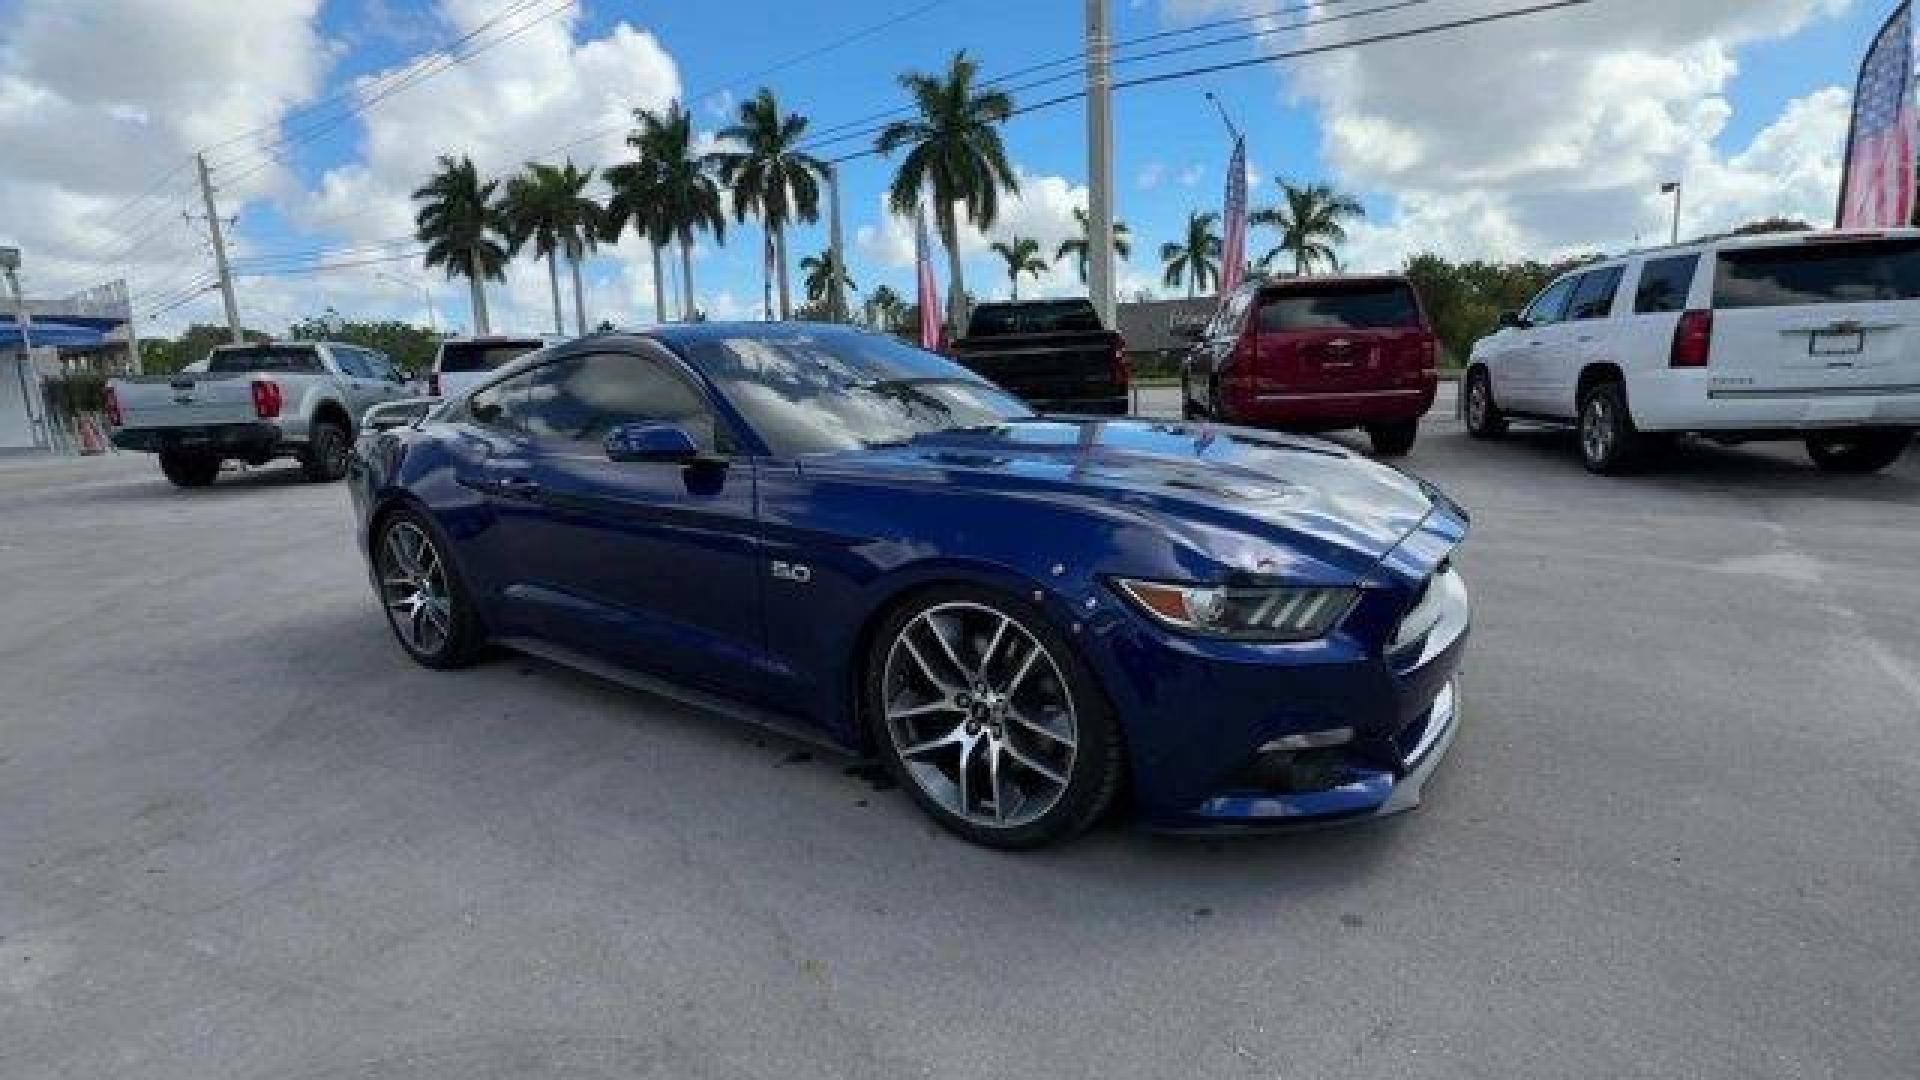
{"type": "Point", "coordinates": [482, 355]}
{"type": "Point", "coordinates": [263, 358]}
{"type": "Point", "coordinates": [1369, 305]}
{"type": "Point", "coordinates": [1060, 317]}
{"type": "Point", "coordinates": [1850, 272]}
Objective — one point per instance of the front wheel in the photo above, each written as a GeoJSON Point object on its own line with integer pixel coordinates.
{"type": "Point", "coordinates": [1484, 419]}
{"type": "Point", "coordinates": [1858, 452]}
{"type": "Point", "coordinates": [987, 717]}
{"type": "Point", "coordinates": [189, 469]}
{"type": "Point", "coordinates": [1609, 443]}
{"type": "Point", "coordinates": [1395, 439]}
{"type": "Point", "coordinates": [325, 458]}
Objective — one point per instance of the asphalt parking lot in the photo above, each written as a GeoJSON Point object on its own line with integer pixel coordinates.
{"type": "Point", "coordinates": [242, 836]}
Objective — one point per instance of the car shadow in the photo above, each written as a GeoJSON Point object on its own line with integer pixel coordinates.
{"type": "Point", "coordinates": [233, 483]}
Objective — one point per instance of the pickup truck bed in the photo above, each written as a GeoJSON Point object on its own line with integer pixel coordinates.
{"type": "Point", "coordinates": [1053, 354]}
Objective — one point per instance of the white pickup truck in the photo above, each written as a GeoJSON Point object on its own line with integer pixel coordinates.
{"type": "Point", "coordinates": [253, 403]}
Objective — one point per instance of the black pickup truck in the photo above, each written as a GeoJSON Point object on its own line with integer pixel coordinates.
{"type": "Point", "coordinates": [1054, 354]}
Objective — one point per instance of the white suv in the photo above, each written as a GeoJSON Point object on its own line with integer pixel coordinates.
{"type": "Point", "coordinates": [1812, 336]}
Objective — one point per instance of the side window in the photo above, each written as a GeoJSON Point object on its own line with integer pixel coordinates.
{"type": "Point", "coordinates": [1551, 305]}
{"type": "Point", "coordinates": [1593, 297]}
{"type": "Point", "coordinates": [353, 362]}
{"type": "Point", "coordinates": [1665, 283]}
{"type": "Point", "coordinates": [581, 398]}
{"type": "Point", "coordinates": [504, 404]}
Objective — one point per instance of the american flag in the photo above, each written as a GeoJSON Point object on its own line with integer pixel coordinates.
{"type": "Point", "coordinates": [1877, 189]}
{"type": "Point", "coordinates": [1233, 247]}
{"type": "Point", "coordinates": [923, 276]}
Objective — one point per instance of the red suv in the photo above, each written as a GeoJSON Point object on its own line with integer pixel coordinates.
{"type": "Point", "coordinates": [1316, 354]}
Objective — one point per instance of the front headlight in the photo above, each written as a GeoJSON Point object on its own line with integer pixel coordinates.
{"type": "Point", "coordinates": [1278, 613]}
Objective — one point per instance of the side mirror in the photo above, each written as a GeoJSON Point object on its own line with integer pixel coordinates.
{"type": "Point", "coordinates": [1187, 329]}
{"type": "Point", "coordinates": [650, 442]}
{"type": "Point", "coordinates": [1512, 320]}
{"type": "Point", "coordinates": [392, 414]}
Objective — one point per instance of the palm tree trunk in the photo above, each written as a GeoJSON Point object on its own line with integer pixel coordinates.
{"type": "Point", "coordinates": [780, 259]}
{"type": "Point", "coordinates": [1193, 277]}
{"type": "Point", "coordinates": [659, 285]}
{"type": "Point", "coordinates": [579, 305]}
{"type": "Point", "coordinates": [766, 273]}
{"type": "Point", "coordinates": [686, 279]}
{"type": "Point", "coordinates": [478, 292]}
{"type": "Point", "coordinates": [553, 284]}
{"type": "Point", "coordinates": [956, 284]}
{"type": "Point", "coordinates": [1015, 287]}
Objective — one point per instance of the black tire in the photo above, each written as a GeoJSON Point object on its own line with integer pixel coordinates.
{"type": "Point", "coordinates": [1858, 452]}
{"type": "Point", "coordinates": [1187, 409]}
{"type": "Point", "coordinates": [1484, 418]}
{"type": "Point", "coordinates": [1090, 762]}
{"type": "Point", "coordinates": [1395, 439]}
{"type": "Point", "coordinates": [325, 458]}
{"type": "Point", "coordinates": [189, 469]}
{"type": "Point", "coordinates": [409, 608]}
{"type": "Point", "coordinates": [1609, 442]}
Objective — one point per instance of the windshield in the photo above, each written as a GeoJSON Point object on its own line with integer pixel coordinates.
{"type": "Point", "coordinates": [458, 356]}
{"type": "Point", "coordinates": [1851, 272]}
{"type": "Point", "coordinates": [814, 393]}
{"type": "Point", "coordinates": [1369, 305]}
{"type": "Point", "coordinates": [1045, 317]}
{"type": "Point", "coordinates": [263, 358]}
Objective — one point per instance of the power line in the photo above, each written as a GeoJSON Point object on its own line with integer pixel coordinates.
{"type": "Point", "coordinates": [1271, 58]}
{"type": "Point", "coordinates": [320, 268]}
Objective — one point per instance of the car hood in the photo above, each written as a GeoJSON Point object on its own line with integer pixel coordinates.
{"type": "Point", "coordinates": [1251, 501]}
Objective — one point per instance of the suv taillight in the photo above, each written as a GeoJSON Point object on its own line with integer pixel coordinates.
{"type": "Point", "coordinates": [1121, 373]}
{"type": "Point", "coordinates": [266, 399]}
{"type": "Point", "coordinates": [433, 383]}
{"type": "Point", "coordinates": [1692, 340]}
{"type": "Point", "coordinates": [113, 408]}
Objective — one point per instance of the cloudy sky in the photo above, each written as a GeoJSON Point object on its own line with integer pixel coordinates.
{"type": "Point", "coordinates": [1531, 137]}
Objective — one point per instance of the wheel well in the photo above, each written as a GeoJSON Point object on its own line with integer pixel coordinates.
{"type": "Point", "coordinates": [1597, 374]}
{"type": "Point", "coordinates": [862, 656]}
{"type": "Point", "coordinates": [332, 412]}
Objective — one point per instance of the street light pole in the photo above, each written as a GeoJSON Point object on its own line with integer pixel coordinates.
{"type": "Point", "coordinates": [1100, 269]}
{"type": "Point", "coordinates": [433, 323]}
{"type": "Point", "coordinates": [1673, 188]}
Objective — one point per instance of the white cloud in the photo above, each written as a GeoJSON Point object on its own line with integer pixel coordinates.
{"type": "Point", "coordinates": [1150, 175]}
{"type": "Point", "coordinates": [1192, 174]}
{"type": "Point", "coordinates": [1618, 97]}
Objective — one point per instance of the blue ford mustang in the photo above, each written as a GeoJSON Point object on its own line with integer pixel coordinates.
{"type": "Point", "coordinates": [838, 534]}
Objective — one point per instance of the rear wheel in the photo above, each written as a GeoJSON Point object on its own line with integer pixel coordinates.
{"type": "Point", "coordinates": [1857, 452]}
{"type": "Point", "coordinates": [189, 468]}
{"type": "Point", "coordinates": [1395, 439]}
{"type": "Point", "coordinates": [325, 458]}
{"type": "Point", "coordinates": [989, 720]}
{"type": "Point", "coordinates": [1609, 443]}
{"type": "Point", "coordinates": [427, 606]}
{"type": "Point", "coordinates": [1187, 409]}
{"type": "Point", "coordinates": [1484, 419]}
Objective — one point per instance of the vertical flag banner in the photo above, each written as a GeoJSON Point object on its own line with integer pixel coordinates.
{"type": "Point", "coordinates": [1233, 245]}
{"type": "Point", "coordinates": [923, 278]}
{"type": "Point", "coordinates": [1877, 184]}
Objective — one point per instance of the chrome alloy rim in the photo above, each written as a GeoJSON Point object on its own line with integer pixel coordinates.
{"type": "Point", "coordinates": [413, 585]}
{"type": "Point", "coordinates": [1596, 429]}
{"type": "Point", "coordinates": [1477, 402]}
{"type": "Point", "coordinates": [978, 710]}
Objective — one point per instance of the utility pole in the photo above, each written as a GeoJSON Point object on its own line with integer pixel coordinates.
{"type": "Point", "coordinates": [837, 291]}
{"type": "Point", "coordinates": [1673, 188]}
{"type": "Point", "coordinates": [220, 253]}
{"type": "Point", "coordinates": [1100, 275]}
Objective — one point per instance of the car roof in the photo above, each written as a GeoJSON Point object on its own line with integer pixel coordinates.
{"type": "Point", "coordinates": [1328, 279]}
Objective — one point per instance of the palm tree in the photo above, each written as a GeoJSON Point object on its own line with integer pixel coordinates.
{"type": "Point", "coordinates": [667, 193]}
{"type": "Point", "coordinates": [631, 201]}
{"type": "Point", "coordinates": [770, 177]}
{"type": "Point", "coordinates": [1022, 255]}
{"type": "Point", "coordinates": [822, 272]}
{"type": "Point", "coordinates": [884, 308]}
{"type": "Point", "coordinates": [1080, 246]}
{"type": "Point", "coordinates": [1196, 258]}
{"type": "Point", "coordinates": [1309, 219]}
{"type": "Point", "coordinates": [953, 155]}
{"type": "Point", "coordinates": [547, 207]}
{"type": "Point", "coordinates": [461, 225]}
